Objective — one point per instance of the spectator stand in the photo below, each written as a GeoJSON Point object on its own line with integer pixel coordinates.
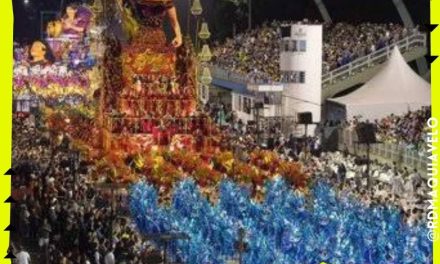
{"type": "Point", "coordinates": [362, 69]}
{"type": "Point", "coordinates": [412, 45]}
{"type": "Point", "coordinates": [401, 154]}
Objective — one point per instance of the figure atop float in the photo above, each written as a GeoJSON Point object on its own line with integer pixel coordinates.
{"type": "Point", "coordinates": [152, 82]}
{"type": "Point", "coordinates": [61, 64]}
{"type": "Point", "coordinates": [139, 15]}
{"type": "Point", "coordinates": [75, 21]}
{"type": "Point", "coordinates": [40, 54]}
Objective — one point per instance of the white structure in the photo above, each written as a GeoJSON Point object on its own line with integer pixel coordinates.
{"type": "Point", "coordinates": [265, 87]}
{"type": "Point", "coordinates": [394, 90]}
{"type": "Point", "coordinates": [301, 72]}
{"type": "Point", "coordinates": [243, 105]}
{"type": "Point", "coordinates": [269, 94]}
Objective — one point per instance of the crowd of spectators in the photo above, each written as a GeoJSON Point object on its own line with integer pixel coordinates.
{"type": "Point", "coordinates": [345, 42]}
{"type": "Point", "coordinates": [61, 217]}
{"type": "Point", "coordinates": [401, 187]}
{"type": "Point", "coordinates": [409, 129]}
{"type": "Point", "coordinates": [243, 136]}
{"type": "Point", "coordinates": [256, 53]}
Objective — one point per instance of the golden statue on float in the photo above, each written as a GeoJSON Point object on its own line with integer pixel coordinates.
{"type": "Point", "coordinates": [148, 124]}
{"type": "Point", "coordinates": [155, 100]}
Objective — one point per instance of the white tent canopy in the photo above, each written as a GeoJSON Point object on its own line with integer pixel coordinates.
{"type": "Point", "coordinates": [395, 89]}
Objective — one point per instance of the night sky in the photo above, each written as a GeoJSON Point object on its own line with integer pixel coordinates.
{"type": "Point", "coordinates": [28, 23]}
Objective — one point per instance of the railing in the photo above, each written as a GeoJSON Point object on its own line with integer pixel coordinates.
{"type": "Point", "coordinates": [220, 73]}
{"type": "Point", "coordinates": [415, 40]}
{"type": "Point", "coordinates": [401, 154]}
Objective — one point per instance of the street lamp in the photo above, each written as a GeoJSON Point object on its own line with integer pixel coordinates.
{"type": "Point", "coordinates": [205, 80]}
{"type": "Point", "coordinates": [205, 55]}
{"type": "Point", "coordinates": [204, 32]}
{"type": "Point", "coordinates": [196, 11]}
{"type": "Point", "coordinates": [206, 77]}
{"type": "Point", "coordinates": [196, 8]}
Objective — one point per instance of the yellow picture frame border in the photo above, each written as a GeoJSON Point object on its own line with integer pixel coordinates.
{"type": "Point", "coordinates": [435, 96]}
{"type": "Point", "coordinates": [6, 59]}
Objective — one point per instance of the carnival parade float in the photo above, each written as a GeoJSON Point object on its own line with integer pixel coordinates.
{"type": "Point", "coordinates": [132, 108]}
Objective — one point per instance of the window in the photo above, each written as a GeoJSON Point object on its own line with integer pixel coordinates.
{"type": "Point", "coordinates": [302, 77]}
{"type": "Point", "coordinates": [247, 105]}
{"type": "Point", "coordinates": [294, 45]}
{"type": "Point", "coordinates": [293, 77]}
{"type": "Point", "coordinates": [302, 45]}
{"type": "Point", "coordinates": [286, 46]}
{"type": "Point", "coordinates": [286, 31]}
{"type": "Point", "coordinates": [269, 98]}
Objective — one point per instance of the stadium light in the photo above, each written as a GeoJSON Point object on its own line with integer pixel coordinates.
{"type": "Point", "coordinates": [206, 77]}
{"type": "Point", "coordinates": [196, 8]}
{"type": "Point", "coordinates": [206, 54]}
{"type": "Point", "coordinates": [204, 31]}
